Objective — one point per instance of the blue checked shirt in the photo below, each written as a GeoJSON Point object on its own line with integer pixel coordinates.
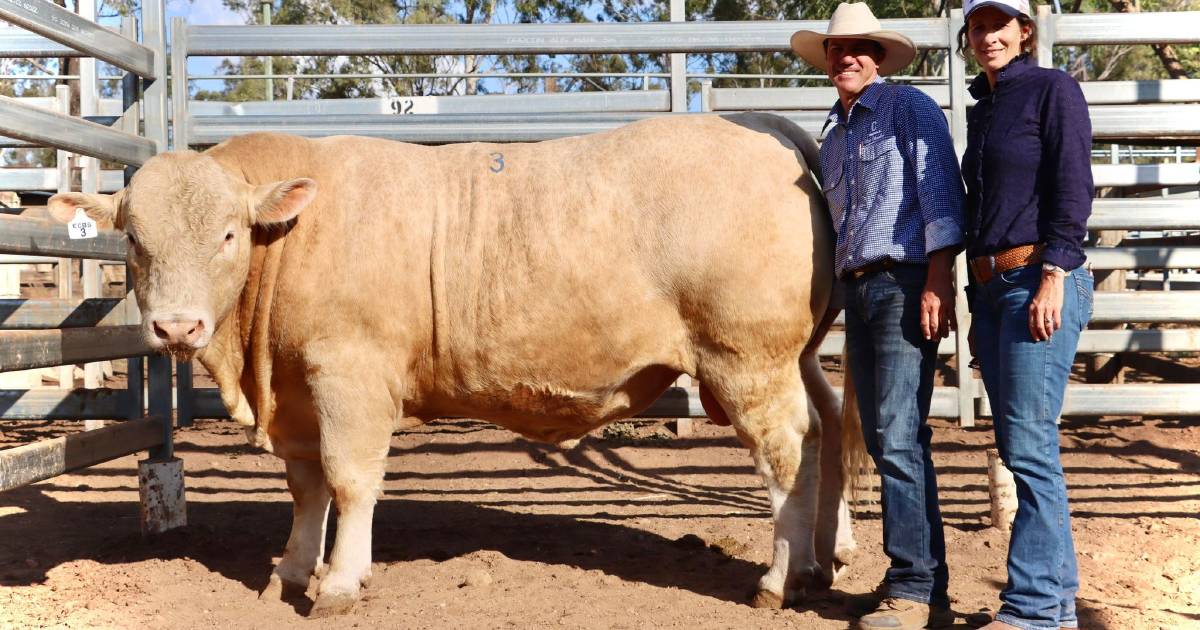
{"type": "Point", "coordinates": [891, 178]}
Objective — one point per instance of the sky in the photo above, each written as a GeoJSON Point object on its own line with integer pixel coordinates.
{"type": "Point", "coordinates": [208, 12]}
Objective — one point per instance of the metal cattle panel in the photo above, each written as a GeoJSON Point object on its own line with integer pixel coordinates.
{"type": "Point", "coordinates": [65, 27]}
{"type": "Point", "coordinates": [1082, 29]}
{"type": "Point", "coordinates": [1155, 340]}
{"type": "Point", "coordinates": [818, 98]}
{"type": "Point", "coordinates": [27, 464]}
{"type": "Point", "coordinates": [1161, 122]}
{"type": "Point", "coordinates": [535, 104]}
{"type": "Point", "coordinates": [64, 404]}
{"type": "Point", "coordinates": [1144, 257]}
{"type": "Point", "coordinates": [25, 179]}
{"type": "Point", "coordinates": [420, 129]}
{"type": "Point", "coordinates": [524, 39]}
{"type": "Point", "coordinates": [1142, 399]}
{"type": "Point", "coordinates": [26, 350]}
{"type": "Point", "coordinates": [1132, 92]}
{"type": "Point", "coordinates": [23, 314]}
{"type": "Point", "coordinates": [1145, 214]}
{"type": "Point", "coordinates": [1147, 306]}
{"type": "Point", "coordinates": [23, 236]}
{"type": "Point", "coordinates": [18, 42]}
{"type": "Point", "coordinates": [1164, 399]}
{"type": "Point", "coordinates": [1146, 174]}
{"type": "Point", "coordinates": [36, 125]}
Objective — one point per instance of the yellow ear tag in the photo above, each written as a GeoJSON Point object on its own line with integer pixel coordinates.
{"type": "Point", "coordinates": [81, 226]}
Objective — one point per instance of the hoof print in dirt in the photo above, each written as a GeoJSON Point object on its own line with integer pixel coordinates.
{"type": "Point", "coordinates": [332, 605]}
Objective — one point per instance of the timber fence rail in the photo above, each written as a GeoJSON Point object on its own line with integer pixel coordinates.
{"type": "Point", "coordinates": [1124, 111]}
{"type": "Point", "coordinates": [37, 333]}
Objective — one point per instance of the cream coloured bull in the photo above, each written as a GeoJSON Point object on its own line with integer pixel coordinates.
{"type": "Point", "coordinates": [337, 288]}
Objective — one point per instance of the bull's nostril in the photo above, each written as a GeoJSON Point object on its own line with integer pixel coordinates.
{"type": "Point", "coordinates": [160, 332]}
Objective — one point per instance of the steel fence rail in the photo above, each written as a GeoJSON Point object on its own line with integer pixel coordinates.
{"type": "Point", "coordinates": [58, 24]}
{"type": "Point", "coordinates": [45, 459]}
{"type": "Point", "coordinates": [46, 128]}
{"type": "Point", "coordinates": [29, 349]}
{"type": "Point", "coordinates": [525, 39]}
{"type": "Point", "coordinates": [44, 238]}
{"type": "Point", "coordinates": [64, 404]}
{"type": "Point", "coordinates": [26, 314]}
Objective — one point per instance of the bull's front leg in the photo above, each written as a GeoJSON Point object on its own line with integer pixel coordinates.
{"type": "Point", "coordinates": [306, 544]}
{"type": "Point", "coordinates": [356, 417]}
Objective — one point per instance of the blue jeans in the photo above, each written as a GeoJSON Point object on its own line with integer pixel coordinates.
{"type": "Point", "coordinates": [1026, 381]}
{"type": "Point", "coordinates": [892, 365]}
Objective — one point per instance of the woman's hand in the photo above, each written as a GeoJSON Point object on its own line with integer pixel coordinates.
{"type": "Point", "coordinates": [1045, 312]}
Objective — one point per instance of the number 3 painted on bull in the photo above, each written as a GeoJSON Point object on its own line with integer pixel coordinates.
{"type": "Point", "coordinates": [497, 162]}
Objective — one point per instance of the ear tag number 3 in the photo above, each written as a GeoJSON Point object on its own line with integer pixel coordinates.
{"type": "Point", "coordinates": [81, 226]}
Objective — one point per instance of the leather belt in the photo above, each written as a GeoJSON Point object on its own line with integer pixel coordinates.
{"type": "Point", "coordinates": [870, 268]}
{"type": "Point", "coordinates": [984, 268]}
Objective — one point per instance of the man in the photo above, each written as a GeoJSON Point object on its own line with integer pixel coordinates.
{"type": "Point", "coordinates": [895, 194]}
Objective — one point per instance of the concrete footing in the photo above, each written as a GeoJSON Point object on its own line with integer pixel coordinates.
{"type": "Point", "coordinates": [160, 487]}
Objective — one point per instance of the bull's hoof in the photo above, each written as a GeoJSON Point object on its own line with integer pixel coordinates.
{"type": "Point", "coordinates": [279, 589]}
{"type": "Point", "coordinates": [332, 604]}
{"type": "Point", "coordinates": [766, 599]}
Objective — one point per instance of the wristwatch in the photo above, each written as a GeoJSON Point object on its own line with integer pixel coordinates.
{"type": "Point", "coordinates": [1052, 268]}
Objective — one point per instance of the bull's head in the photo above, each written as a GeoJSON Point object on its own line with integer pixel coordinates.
{"type": "Point", "coordinates": [188, 222]}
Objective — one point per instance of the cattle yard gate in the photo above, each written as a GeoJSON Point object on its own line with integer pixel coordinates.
{"type": "Point", "coordinates": [39, 333]}
{"type": "Point", "coordinates": [1136, 112]}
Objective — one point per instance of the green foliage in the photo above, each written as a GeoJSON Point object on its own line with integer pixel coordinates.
{"type": "Point", "coordinates": [1126, 62]}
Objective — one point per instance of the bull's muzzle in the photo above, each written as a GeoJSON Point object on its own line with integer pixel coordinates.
{"type": "Point", "coordinates": [180, 334]}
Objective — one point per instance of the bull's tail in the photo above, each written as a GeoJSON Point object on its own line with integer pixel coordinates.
{"type": "Point", "coordinates": [855, 459]}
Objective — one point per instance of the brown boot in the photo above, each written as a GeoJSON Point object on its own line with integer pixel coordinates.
{"type": "Point", "coordinates": [895, 613]}
{"type": "Point", "coordinates": [864, 604]}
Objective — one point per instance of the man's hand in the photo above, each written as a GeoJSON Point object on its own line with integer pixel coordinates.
{"type": "Point", "coordinates": [937, 300]}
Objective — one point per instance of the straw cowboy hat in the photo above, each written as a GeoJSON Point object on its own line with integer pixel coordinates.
{"type": "Point", "coordinates": [855, 21]}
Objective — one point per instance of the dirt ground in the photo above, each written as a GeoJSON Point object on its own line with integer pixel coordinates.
{"type": "Point", "coordinates": [479, 528]}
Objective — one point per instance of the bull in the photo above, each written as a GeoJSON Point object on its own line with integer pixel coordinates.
{"type": "Point", "coordinates": [339, 288]}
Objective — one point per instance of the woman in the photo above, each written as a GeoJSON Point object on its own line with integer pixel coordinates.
{"type": "Point", "coordinates": [1029, 192]}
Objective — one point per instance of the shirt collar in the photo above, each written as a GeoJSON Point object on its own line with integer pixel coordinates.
{"type": "Point", "coordinates": [869, 99]}
{"type": "Point", "coordinates": [980, 88]}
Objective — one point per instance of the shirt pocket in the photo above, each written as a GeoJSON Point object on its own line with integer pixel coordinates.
{"type": "Point", "coordinates": [880, 176]}
{"type": "Point", "coordinates": [834, 191]}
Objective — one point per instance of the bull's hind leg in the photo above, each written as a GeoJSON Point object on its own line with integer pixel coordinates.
{"type": "Point", "coordinates": [769, 410]}
{"type": "Point", "coordinates": [306, 544]}
{"type": "Point", "coordinates": [356, 427]}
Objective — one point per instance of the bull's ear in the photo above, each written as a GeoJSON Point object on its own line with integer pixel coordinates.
{"type": "Point", "coordinates": [281, 201]}
{"type": "Point", "coordinates": [101, 208]}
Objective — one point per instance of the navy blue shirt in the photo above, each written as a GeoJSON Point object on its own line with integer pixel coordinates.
{"type": "Point", "coordinates": [1028, 165]}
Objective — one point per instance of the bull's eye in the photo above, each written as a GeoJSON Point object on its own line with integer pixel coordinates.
{"type": "Point", "coordinates": [229, 236]}
{"type": "Point", "coordinates": [133, 242]}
